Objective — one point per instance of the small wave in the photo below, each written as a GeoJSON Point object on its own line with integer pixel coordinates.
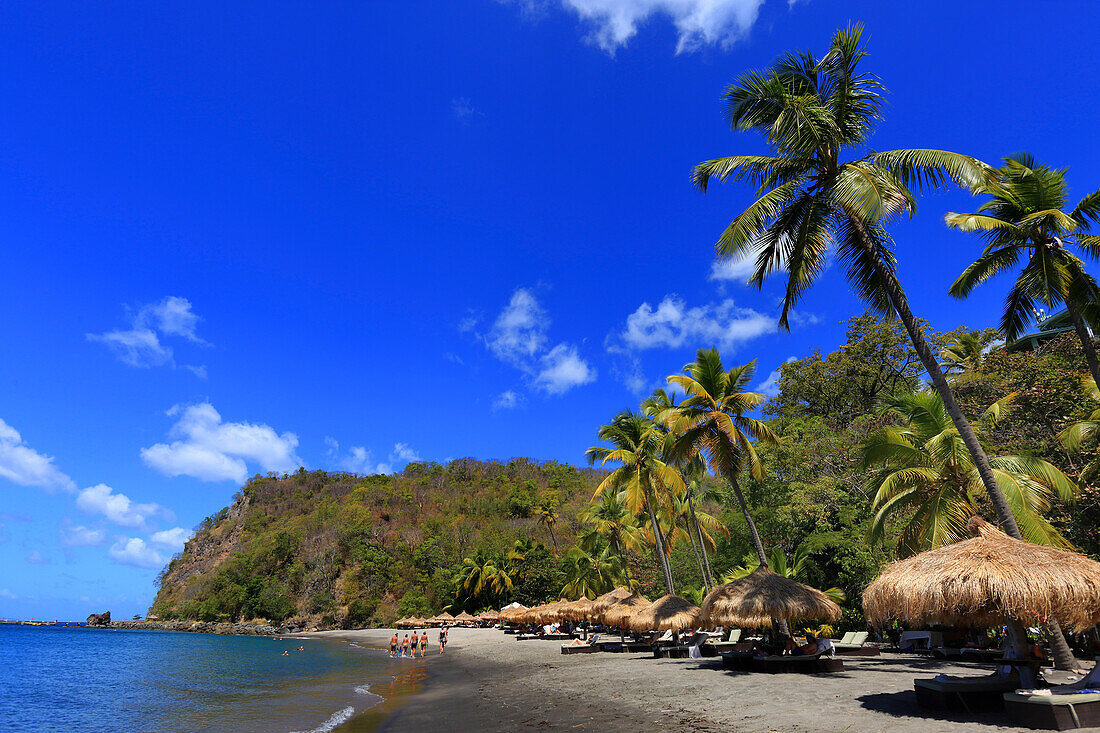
{"type": "Point", "coordinates": [355, 645]}
{"type": "Point", "coordinates": [337, 718]}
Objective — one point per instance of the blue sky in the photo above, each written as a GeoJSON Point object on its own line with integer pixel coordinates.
{"type": "Point", "coordinates": [244, 237]}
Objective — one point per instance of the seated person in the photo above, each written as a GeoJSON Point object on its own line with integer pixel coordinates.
{"type": "Point", "coordinates": [580, 642]}
{"type": "Point", "coordinates": [808, 649]}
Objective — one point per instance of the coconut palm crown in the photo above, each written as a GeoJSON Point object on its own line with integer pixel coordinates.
{"type": "Point", "coordinates": [928, 481]}
{"type": "Point", "coordinates": [1024, 216]}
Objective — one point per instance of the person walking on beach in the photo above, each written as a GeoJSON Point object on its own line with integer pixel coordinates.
{"type": "Point", "coordinates": [442, 638]}
{"type": "Point", "coordinates": [414, 644]}
{"type": "Point", "coordinates": [424, 643]}
{"type": "Point", "coordinates": [405, 646]}
{"type": "Point", "coordinates": [393, 646]}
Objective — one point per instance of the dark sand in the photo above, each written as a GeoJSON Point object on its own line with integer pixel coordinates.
{"type": "Point", "coordinates": [489, 681]}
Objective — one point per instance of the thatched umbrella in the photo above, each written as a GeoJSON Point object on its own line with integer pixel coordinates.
{"type": "Point", "coordinates": [606, 601]}
{"type": "Point", "coordinates": [550, 612]}
{"type": "Point", "coordinates": [667, 613]}
{"type": "Point", "coordinates": [418, 621]}
{"type": "Point", "coordinates": [983, 580]}
{"type": "Point", "coordinates": [464, 618]}
{"type": "Point", "coordinates": [489, 615]}
{"type": "Point", "coordinates": [619, 614]}
{"type": "Point", "coordinates": [760, 597]}
{"type": "Point", "coordinates": [400, 623]}
{"type": "Point", "coordinates": [510, 614]}
{"type": "Point", "coordinates": [576, 610]}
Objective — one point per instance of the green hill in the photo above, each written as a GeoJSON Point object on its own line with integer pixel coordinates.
{"type": "Point", "coordinates": [327, 549]}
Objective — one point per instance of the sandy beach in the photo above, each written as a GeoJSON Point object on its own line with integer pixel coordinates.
{"type": "Point", "coordinates": [489, 681]}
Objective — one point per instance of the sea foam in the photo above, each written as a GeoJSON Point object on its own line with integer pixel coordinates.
{"type": "Point", "coordinates": [337, 718]}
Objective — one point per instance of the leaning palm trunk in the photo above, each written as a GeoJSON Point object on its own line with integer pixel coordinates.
{"type": "Point", "coordinates": [622, 559]}
{"type": "Point", "coordinates": [659, 541]}
{"type": "Point", "coordinates": [698, 557]}
{"type": "Point", "coordinates": [1086, 338]}
{"type": "Point", "coordinates": [708, 577]}
{"type": "Point", "coordinates": [1063, 656]}
{"type": "Point", "coordinates": [778, 624]}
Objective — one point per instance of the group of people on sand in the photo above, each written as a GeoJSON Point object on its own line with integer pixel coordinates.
{"type": "Point", "coordinates": [418, 643]}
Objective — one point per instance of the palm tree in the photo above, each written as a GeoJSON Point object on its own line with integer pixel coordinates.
{"type": "Point", "coordinates": [642, 479]}
{"type": "Point", "coordinates": [811, 111]}
{"type": "Point", "coordinates": [964, 354]}
{"type": "Point", "coordinates": [795, 568]}
{"type": "Point", "coordinates": [480, 576]}
{"type": "Point", "coordinates": [1024, 216]}
{"type": "Point", "coordinates": [549, 517]}
{"type": "Point", "coordinates": [928, 481]}
{"type": "Point", "coordinates": [662, 403]}
{"type": "Point", "coordinates": [612, 525]}
{"type": "Point", "coordinates": [711, 422]}
{"type": "Point", "coordinates": [589, 573]}
{"type": "Point", "coordinates": [1085, 433]}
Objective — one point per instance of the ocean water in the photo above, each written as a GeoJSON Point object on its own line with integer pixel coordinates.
{"type": "Point", "coordinates": [73, 679]}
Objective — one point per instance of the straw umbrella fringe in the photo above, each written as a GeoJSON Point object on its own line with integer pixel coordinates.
{"type": "Point", "coordinates": [667, 613]}
{"type": "Point", "coordinates": [761, 596]}
{"type": "Point", "coordinates": [983, 580]}
{"type": "Point", "coordinates": [620, 613]}
{"type": "Point", "coordinates": [606, 601]}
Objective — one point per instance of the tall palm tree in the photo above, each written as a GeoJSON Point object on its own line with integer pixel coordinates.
{"type": "Point", "coordinates": [1024, 216]}
{"type": "Point", "coordinates": [811, 111]}
{"type": "Point", "coordinates": [661, 403]}
{"type": "Point", "coordinates": [480, 577]}
{"type": "Point", "coordinates": [711, 422]}
{"type": "Point", "coordinates": [589, 573]}
{"type": "Point", "coordinates": [611, 525]}
{"type": "Point", "coordinates": [795, 568]}
{"type": "Point", "coordinates": [642, 478]}
{"type": "Point", "coordinates": [964, 354]}
{"type": "Point", "coordinates": [928, 480]}
{"type": "Point", "coordinates": [547, 516]}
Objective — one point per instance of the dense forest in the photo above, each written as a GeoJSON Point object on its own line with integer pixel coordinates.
{"type": "Point", "coordinates": [336, 549]}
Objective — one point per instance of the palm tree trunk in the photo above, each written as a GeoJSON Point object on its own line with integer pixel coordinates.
{"type": "Point", "coordinates": [622, 559]}
{"type": "Point", "coordinates": [756, 543]}
{"type": "Point", "coordinates": [708, 578]}
{"type": "Point", "coordinates": [659, 541]}
{"type": "Point", "coordinates": [698, 558]}
{"type": "Point", "coordinates": [1086, 339]}
{"type": "Point", "coordinates": [1005, 516]}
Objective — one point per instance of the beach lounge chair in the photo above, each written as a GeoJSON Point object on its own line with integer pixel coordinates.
{"type": "Point", "coordinates": [1054, 711]}
{"type": "Point", "coordinates": [965, 694]}
{"type": "Point", "coordinates": [592, 645]}
{"type": "Point", "coordinates": [713, 647]}
{"type": "Point", "coordinates": [807, 663]}
{"type": "Point", "coordinates": [681, 651]}
{"type": "Point", "coordinates": [854, 644]}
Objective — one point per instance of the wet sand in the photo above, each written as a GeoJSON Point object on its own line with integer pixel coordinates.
{"type": "Point", "coordinates": [489, 681]}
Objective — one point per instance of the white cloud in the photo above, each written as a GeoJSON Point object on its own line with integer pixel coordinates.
{"type": "Point", "coordinates": [519, 332]}
{"type": "Point", "coordinates": [133, 551]}
{"type": "Point", "coordinates": [732, 270]}
{"type": "Point", "coordinates": [21, 464]}
{"type": "Point", "coordinates": [35, 558]}
{"type": "Point", "coordinates": [5, 593]}
{"type": "Point", "coordinates": [360, 460]}
{"type": "Point", "coordinates": [463, 110]}
{"type": "Point", "coordinates": [770, 386]}
{"type": "Point", "coordinates": [519, 337]}
{"type": "Point", "coordinates": [140, 345]}
{"type": "Point", "coordinates": [673, 325]}
{"type": "Point", "coordinates": [117, 507]}
{"type": "Point", "coordinates": [698, 22]}
{"type": "Point", "coordinates": [508, 400]}
{"type": "Point", "coordinates": [198, 371]}
{"type": "Point", "coordinates": [81, 536]}
{"type": "Point", "coordinates": [211, 450]}
{"type": "Point", "coordinates": [171, 539]}
{"type": "Point", "coordinates": [562, 369]}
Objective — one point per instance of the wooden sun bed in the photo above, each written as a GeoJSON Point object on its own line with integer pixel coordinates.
{"type": "Point", "coordinates": [1054, 712]}
{"type": "Point", "coordinates": [967, 695]}
{"type": "Point", "coordinates": [580, 648]}
{"type": "Point", "coordinates": [738, 661]}
{"type": "Point", "coordinates": [544, 637]}
{"type": "Point", "coordinates": [808, 664]}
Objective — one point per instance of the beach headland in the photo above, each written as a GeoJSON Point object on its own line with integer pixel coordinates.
{"type": "Point", "coordinates": [489, 681]}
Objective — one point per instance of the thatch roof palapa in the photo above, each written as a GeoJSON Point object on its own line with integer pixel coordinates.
{"type": "Point", "coordinates": [667, 613]}
{"type": "Point", "coordinates": [575, 610]}
{"type": "Point", "coordinates": [549, 613]}
{"type": "Point", "coordinates": [511, 614]}
{"type": "Point", "coordinates": [980, 581]}
{"type": "Point", "coordinates": [761, 596]}
{"type": "Point", "coordinates": [606, 601]}
{"type": "Point", "coordinates": [464, 618]}
{"type": "Point", "coordinates": [620, 613]}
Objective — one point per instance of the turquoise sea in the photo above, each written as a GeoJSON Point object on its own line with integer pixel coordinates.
{"type": "Point", "coordinates": [74, 679]}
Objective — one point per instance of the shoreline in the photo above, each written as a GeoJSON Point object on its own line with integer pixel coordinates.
{"type": "Point", "coordinates": [489, 681]}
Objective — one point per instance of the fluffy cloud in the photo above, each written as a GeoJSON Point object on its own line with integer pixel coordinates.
{"type": "Point", "coordinates": [117, 507]}
{"type": "Point", "coordinates": [171, 539]}
{"type": "Point", "coordinates": [360, 460]}
{"type": "Point", "coordinates": [673, 325]}
{"type": "Point", "coordinates": [698, 22]}
{"type": "Point", "coordinates": [770, 386]}
{"type": "Point", "coordinates": [519, 337]}
{"type": "Point", "coordinates": [519, 332]}
{"type": "Point", "coordinates": [508, 400]}
{"type": "Point", "coordinates": [21, 464]}
{"type": "Point", "coordinates": [140, 345]}
{"type": "Point", "coordinates": [732, 270]}
{"type": "Point", "coordinates": [562, 370]}
{"type": "Point", "coordinates": [35, 558]}
{"type": "Point", "coordinates": [81, 536]}
{"type": "Point", "coordinates": [135, 552]}
{"type": "Point", "coordinates": [211, 450]}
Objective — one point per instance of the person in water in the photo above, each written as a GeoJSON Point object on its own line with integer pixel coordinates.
{"type": "Point", "coordinates": [424, 643]}
{"type": "Point", "coordinates": [405, 646]}
{"type": "Point", "coordinates": [393, 646]}
{"type": "Point", "coordinates": [414, 643]}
